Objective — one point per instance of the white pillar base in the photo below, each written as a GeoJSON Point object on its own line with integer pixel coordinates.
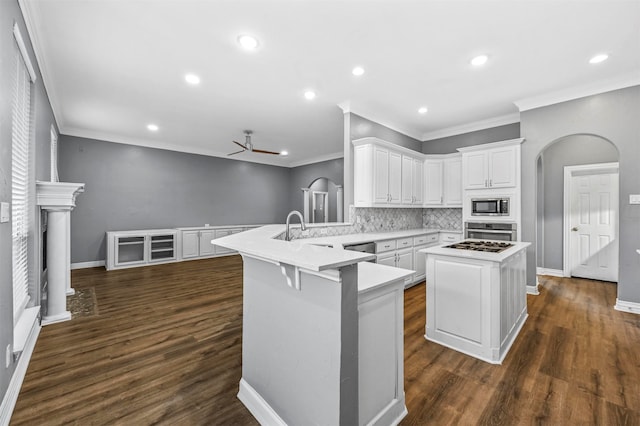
{"type": "Point", "coordinates": [70, 292]}
{"type": "Point", "coordinates": [52, 319]}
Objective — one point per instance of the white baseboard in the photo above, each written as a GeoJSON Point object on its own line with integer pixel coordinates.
{"type": "Point", "coordinates": [631, 307]}
{"type": "Point", "coordinates": [82, 265]}
{"type": "Point", "coordinates": [11, 396]}
{"type": "Point", "coordinates": [261, 410]}
{"type": "Point", "coordinates": [550, 272]}
{"type": "Point", "coordinates": [533, 289]}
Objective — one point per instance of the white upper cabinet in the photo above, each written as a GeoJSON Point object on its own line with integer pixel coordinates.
{"type": "Point", "coordinates": [489, 166]}
{"type": "Point", "coordinates": [418, 181]}
{"type": "Point", "coordinates": [453, 181]}
{"type": "Point", "coordinates": [443, 181]}
{"type": "Point", "coordinates": [433, 182]}
{"type": "Point", "coordinates": [412, 177]}
{"type": "Point", "coordinates": [407, 180]}
{"type": "Point", "coordinates": [386, 174]}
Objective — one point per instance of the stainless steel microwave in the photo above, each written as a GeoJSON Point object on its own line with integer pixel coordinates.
{"type": "Point", "coordinates": [489, 207]}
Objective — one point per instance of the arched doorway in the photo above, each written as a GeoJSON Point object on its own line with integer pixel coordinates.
{"type": "Point", "coordinates": [574, 152]}
{"type": "Point", "coordinates": [323, 201]}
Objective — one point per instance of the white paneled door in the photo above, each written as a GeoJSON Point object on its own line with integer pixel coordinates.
{"type": "Point", "coordinates": [593, 225]}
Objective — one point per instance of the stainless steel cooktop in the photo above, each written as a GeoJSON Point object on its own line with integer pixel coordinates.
{"type": "Point", "coordinates": [479, 245]}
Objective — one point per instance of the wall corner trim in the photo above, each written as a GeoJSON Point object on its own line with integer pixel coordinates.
{"type": "Point", "coordinates": [623, 306]}
{"type": "Point", "coordinates": [11, 396]}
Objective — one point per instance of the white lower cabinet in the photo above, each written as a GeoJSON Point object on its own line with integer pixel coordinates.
{"type": "Point", "coordinates": [196, 243]}
{"type": "Point", "coordinates": [419, 264]}
{"type": "Point", "coordinates": [128, 249]}
{"type": "Point", "coordinates": [404, 253]}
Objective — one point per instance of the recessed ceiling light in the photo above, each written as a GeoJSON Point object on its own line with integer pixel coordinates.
{"type": "Point", "coordinates": [192, 79]}
{"type": "Point", "coordinates": [284, 153]}
{"type": "Point", "coordinates": [310, 94]}
{"type": "Point", "coordinates": [479, 60]}
{"type": "Point", "coordinates": [599, 58]}
{"type": "Point", "coordinates": [248, 42]}
{"type": "Point", "coordinates": [422, 110]}
{"type": "Point", "coordinates": [153, 127]}
{"type": "Point", "coordinates": [358, 71]}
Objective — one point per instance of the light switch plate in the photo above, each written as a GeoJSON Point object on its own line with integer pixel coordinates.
{"type": "Point", "coordinates": [5, 214]}
{"type": "Point", "coordinates": [634, 198]}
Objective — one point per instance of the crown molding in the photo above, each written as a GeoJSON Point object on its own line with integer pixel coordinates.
{"type": "Point", "coordinates": [107, 137]}
{"type": "Point", "coordinates": [472, 127]}
{"type": "Point", "coordinates": [318, 159]}
{"type": "Point", "coordinates": [551, 98]}
{"type": "Point", "coordinates": [167, 146]}
{"type": "Point", "coordinates": [379, 120]}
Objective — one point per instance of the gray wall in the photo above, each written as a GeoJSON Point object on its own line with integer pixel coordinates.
{"type": "Point", "coordinates": [303, 176]}
{"type": "Point", "coordinates": [569, 151]}
{"type": "Point", "coordinates": [131, 187]}
{"type": "Point", "coordinates": [362, 127]}
{"type": "Point", "coordinates": [42, 121]}
{"type": "Point", "coordinates": [613, 116]}
{"type": "Point", "coordinates": [449, 144]}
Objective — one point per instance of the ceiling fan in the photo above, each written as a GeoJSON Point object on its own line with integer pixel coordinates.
{"type": "Point", "coordinates": [248, 146]}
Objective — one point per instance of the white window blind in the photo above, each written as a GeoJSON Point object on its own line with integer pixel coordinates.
{"type": "Point", "coordinates": [20, 134]}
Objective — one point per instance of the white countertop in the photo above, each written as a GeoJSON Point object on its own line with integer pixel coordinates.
{"type": "Point", "coordinates": [189, 228]}
{"type": "Point", "coordinates": [372, 275]}
{"type": "Point", "coordinates": [307, 252]}
{"type": "Point", "coordinates": [260, 243]}
{"type": "Point", "coordinates": [478, 255]}
{"type": "Point", "coordinates": [340, 241]}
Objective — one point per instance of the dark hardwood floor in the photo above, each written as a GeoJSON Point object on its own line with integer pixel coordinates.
{"type": "Point", "coordinates": [165, 348]}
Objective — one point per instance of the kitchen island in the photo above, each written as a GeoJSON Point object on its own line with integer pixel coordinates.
{"type": "Point", "coordinates": [476, 300]}
{"type": "Point", "coordinates": [322, 338]}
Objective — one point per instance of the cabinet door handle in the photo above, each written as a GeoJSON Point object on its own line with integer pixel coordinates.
{"type": "Point", "coordinates": [490, 182]}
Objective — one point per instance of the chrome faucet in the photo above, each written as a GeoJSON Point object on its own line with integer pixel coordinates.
{"type": "Point", "coordinates": [287, 237]}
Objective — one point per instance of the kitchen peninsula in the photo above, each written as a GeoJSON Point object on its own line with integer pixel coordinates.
{"type": "Point", "coordinates": [322, 338]}
{"type": "Point", "coordinates": [476, 296]}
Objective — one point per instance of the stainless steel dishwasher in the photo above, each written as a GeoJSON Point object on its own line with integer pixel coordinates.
{"type": "Point", "coordinates": [363, 248]}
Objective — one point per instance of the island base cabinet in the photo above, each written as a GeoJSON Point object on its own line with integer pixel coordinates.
{"type": "Point", "coordinates": [321, 351]}
{"type": "Point", "coordinates": [476, 307]}
{"type": "Point", "coordinates": [380, 359]}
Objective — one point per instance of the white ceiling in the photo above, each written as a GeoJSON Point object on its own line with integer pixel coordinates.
{"type": "Point", "coordinates": [113, 66]}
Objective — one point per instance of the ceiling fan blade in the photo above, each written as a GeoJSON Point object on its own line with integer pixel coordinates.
{"type": "Point", "coordinates": [237, 152]}
{"type": "Point", "coordinates": [238, 143]}
{"type": "Point", "coordinates": [262, 151]}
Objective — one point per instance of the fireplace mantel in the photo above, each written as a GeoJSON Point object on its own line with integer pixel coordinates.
{"type": "Point", "coordinates": [58, 199]}
{"type": "Point", "coordinates": [57, 195]}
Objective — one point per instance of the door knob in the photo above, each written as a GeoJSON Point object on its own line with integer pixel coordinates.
{"type": "Point", "coordinates": [574, 229]}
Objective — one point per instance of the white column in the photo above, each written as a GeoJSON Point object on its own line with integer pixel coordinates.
{"type": "Point", "coordinates": [58, 199]}
{"type": "Point", "coordinates": [69, 290]}
{"type": "Point", "coordinates": [305, 197]}
{"type": "Point", "coordinates": [339, 204]}
{"type": "Point", "coordinates": [57, 267]}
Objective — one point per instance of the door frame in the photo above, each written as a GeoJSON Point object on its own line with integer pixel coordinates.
{"type": "Point", "coordinates": [569, 172]}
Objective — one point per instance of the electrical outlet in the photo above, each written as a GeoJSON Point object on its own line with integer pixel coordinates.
{"type": "Point", "coordinates": [634, 198]}
{"type": "Point", "coordinates": [9, 356]}
{"type": "Point", "coordinates": [5, 215]}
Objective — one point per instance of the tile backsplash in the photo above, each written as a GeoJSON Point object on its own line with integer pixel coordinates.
{"type": "Point", "coordinates": [363, 219]}
{"type": "Point", "coordinates": [442, 219]}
